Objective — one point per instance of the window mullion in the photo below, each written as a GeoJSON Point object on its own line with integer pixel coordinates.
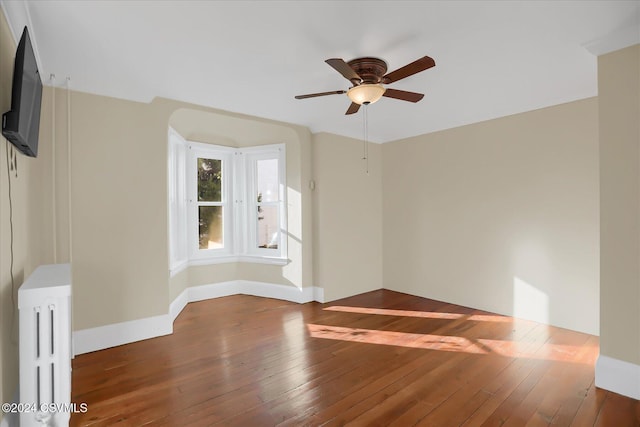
{"type": "Point", "coordinates": [237, 204]}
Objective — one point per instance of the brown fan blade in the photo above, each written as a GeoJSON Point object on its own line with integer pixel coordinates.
{"type": "Point", "coordinates": [421, 64]}
{"type": "Point", "coordinates": [353, 108]}
{"type": "Point", "coordinates": [403, 95]}
{"type": "Point", "coordinates": [312, 95]}
{"type": "Point", "coordinates": [343, 68]}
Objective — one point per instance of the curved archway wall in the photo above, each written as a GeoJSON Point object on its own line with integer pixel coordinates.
{"type": "Point", "coordinates": [234, 131]}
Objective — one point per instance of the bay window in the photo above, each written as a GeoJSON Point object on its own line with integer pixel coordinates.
{"type": "Point", "coordinates": [230, 203]}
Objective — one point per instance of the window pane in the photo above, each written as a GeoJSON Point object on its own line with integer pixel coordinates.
{"type": "Point", "coordinates": [267, 171]}
{"type": "Point", "coordinates": [210, 225]}
{"type": "Point", "coordinates": [268, 227]}
{"type": "Point", "coordinates": [209, 180]}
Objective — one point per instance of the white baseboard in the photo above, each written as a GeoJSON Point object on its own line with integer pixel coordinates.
{"type": "Point", "coordinates": [178, 304]}
{"type": "Point", "coordinates": [93, 339]}
{"type": "Point", "coordinates": [88, 340]}
{"type": "Point", "coordinates": [318, 294]}
{"type": "Point", "coordinates": [618, 376]}
{"type": "Point", "coordinates": [283, 292]}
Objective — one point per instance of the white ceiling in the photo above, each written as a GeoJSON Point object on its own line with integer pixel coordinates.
{"type": "Point", "coordinates": [493, 58]}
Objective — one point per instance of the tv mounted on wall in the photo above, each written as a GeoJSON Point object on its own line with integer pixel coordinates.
{"type": "Point", "coordinates": [21, 125]}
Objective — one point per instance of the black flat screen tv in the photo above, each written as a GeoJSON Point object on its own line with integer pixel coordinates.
{"type": "Point", "coordinates": [21, 125]}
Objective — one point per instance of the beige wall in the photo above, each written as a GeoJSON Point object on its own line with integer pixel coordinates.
{"type": "Point", "coordinates": [500, 215]}
{"type": "Point", "coordinates": [347, 216]}
{"type": "Point", "coordinates": [119, 227]}
{"type": "Point", "coordinates": [31, 202]}
{"type": "Point", "coordinates": [619, 118]}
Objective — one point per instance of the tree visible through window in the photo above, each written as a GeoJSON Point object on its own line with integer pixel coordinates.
{"type": "Point", "coordinates": [210, 212]}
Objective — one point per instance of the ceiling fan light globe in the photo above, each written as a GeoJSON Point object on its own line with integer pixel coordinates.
{"type": "Point", "coordinates": [366, 93]}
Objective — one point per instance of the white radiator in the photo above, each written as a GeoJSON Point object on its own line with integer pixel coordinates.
{"type": "Point", "coordinates": [44, 302]}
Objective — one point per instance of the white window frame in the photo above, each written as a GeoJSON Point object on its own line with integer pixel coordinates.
{"type": "Point", "coordinates": [196, 151]}
{"type": "Point", "coordinates": [239, 207]}
{"type": "Point", "coordinates": [251, 157]}
{"type": "Point", "coordinates": [178, 246]}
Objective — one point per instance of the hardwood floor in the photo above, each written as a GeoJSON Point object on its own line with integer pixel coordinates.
{"type": "Point", "coordinates": [377, 359]}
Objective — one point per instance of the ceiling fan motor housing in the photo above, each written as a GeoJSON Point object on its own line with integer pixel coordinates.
{"type": "Point", "coordinates": [371, 70]}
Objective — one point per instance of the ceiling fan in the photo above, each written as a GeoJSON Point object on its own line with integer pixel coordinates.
{"type": "Point", "coordinates": [367, 75]}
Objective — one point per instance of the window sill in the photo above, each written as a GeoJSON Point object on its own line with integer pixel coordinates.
{"type": "Point", "coordinates": [254, 259]}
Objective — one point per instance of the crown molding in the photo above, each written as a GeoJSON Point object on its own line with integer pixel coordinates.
{"type": "Point", "coordinates": [18, 16]}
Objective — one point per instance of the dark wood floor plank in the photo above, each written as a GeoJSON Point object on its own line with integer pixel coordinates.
{"type": "Point", "coordinates": [381, 358]}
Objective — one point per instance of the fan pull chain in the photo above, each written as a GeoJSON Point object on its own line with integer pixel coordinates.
{"type": "Point", "coordinates": [365, 140]}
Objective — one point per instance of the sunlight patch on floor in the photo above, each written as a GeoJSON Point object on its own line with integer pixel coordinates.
{"type": "Point", "coordinates": [402, 339]}
{"type": "Point", "coordinates": [422, 314]}
{"type": "Point", "coordinates": [529, 350]}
